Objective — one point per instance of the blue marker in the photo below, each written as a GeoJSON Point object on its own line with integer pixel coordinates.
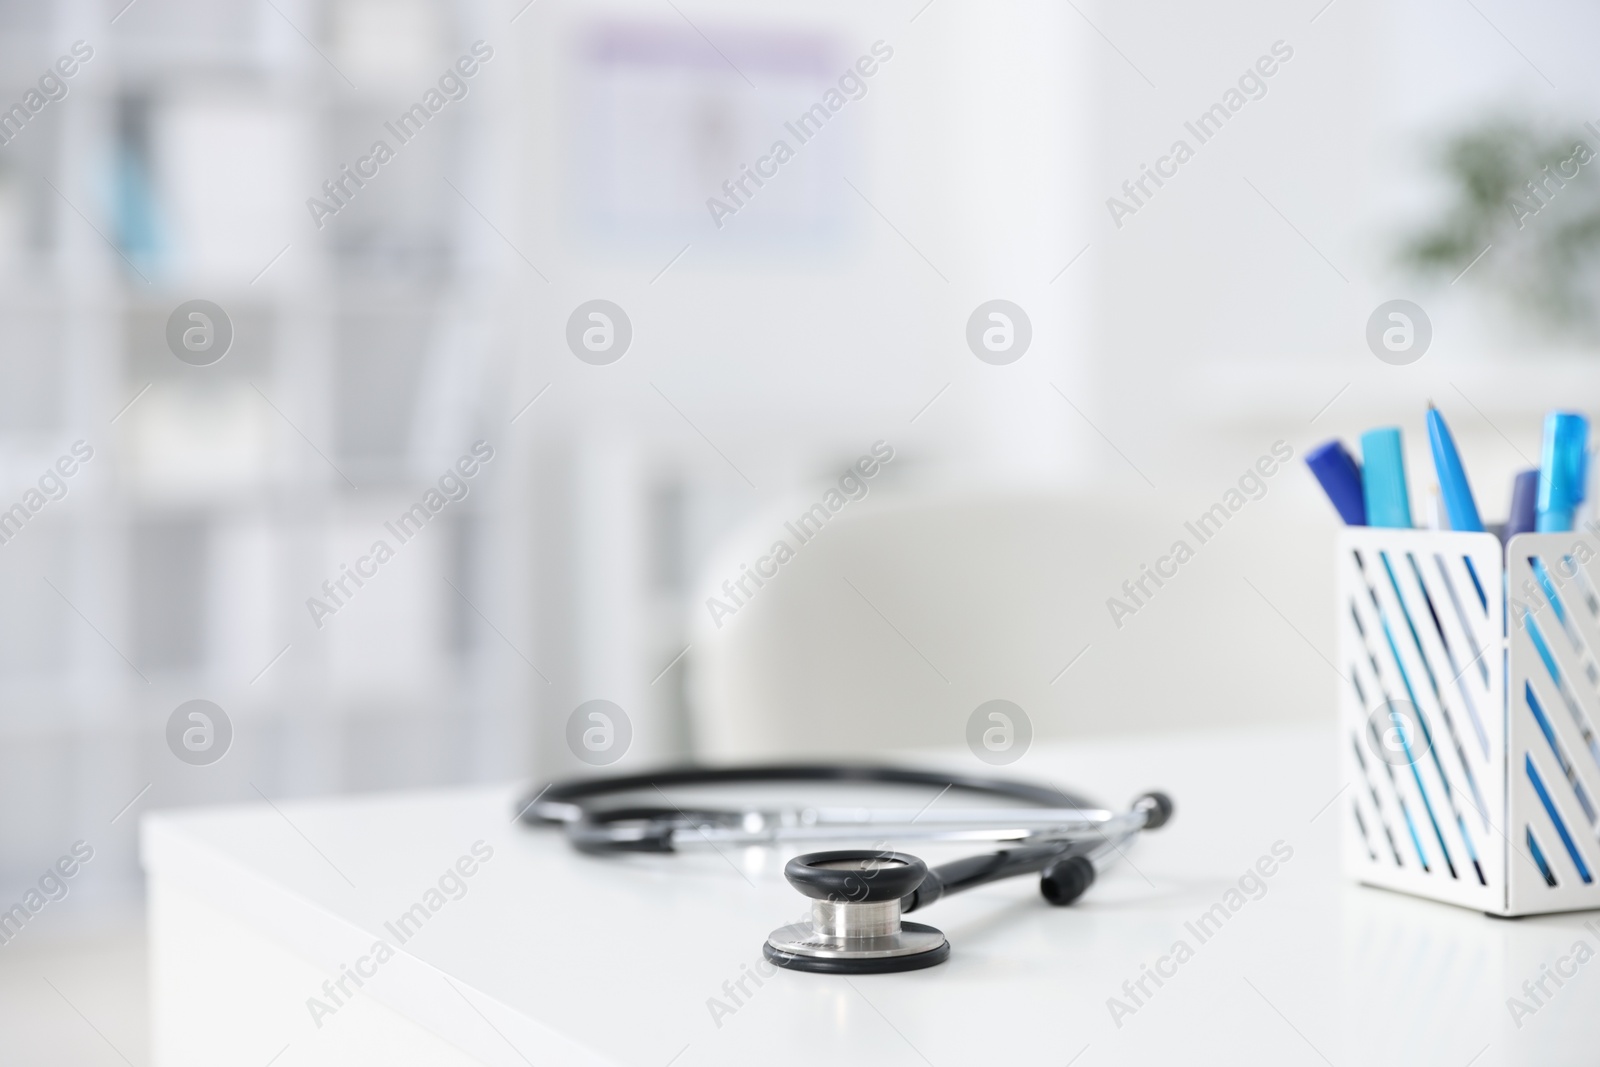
{"type": "Point", "coordinates": [1561, 470]}
{"type": "Point", "coordinates": [1383, 478]}
{"type": "Point", "coordinates": [1458, 502]}
{"type": "Point", "coordinates": [1524, 504]}
{"type": "Point", "coordinates": [1340, 476]}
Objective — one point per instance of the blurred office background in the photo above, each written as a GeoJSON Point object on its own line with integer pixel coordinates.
{"type": "Point", "coordinates": [1168, 354]}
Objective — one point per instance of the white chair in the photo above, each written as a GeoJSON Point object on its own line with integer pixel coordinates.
{"type": "Point", "coordinates": [890, 626]}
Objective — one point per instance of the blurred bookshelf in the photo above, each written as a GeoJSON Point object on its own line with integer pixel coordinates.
{"type": "Point", "coordinates": [220, 497]}
{"type": "Point", "coordinates": [369, 354]}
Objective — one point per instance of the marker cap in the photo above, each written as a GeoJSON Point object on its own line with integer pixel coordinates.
{"type": "Point", "coordinates": [1340, 476]}
{"type": "Point", "coordinates": [1562, 469]}
{"type": "Point", "coordinates": [1524, 504]}
{"type": "Point", "coordinates": [1383, 478]}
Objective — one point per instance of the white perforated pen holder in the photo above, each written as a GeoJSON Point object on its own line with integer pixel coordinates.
{"type": "Point", "coordinates": [1470, 746]}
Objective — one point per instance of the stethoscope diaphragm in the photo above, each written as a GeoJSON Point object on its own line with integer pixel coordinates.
{"type": "Point", "coordinates": [855, 925]}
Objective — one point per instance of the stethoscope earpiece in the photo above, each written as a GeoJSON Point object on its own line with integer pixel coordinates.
{"type": "Point", "coordinates": [855, 925]}
{"type": "Point", "coordinates": [1157, 808]}
{"type": "Point", "coordinates": [1064, 881]}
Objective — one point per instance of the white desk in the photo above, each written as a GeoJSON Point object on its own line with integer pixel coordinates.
{"type": "Point", "coordinates": [555, 958]}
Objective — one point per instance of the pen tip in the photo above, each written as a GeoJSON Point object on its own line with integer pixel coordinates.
{"type": "Point", "coordinates": [1430, 405]}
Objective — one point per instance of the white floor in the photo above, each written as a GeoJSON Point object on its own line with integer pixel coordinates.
{"type": "Point", "coordinates": [78, 999]}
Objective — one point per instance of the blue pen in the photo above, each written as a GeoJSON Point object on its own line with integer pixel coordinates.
{"type": "Point", "coordinates": [1561, 470]}
{"type": "Point", "coordinates": [1383, 478]}
{"type": "Point", "coordinates": [1458, 502]}
{"type": "Point", "coordinates": [1340, 476]}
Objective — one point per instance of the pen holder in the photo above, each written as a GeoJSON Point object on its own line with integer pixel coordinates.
{"type": "Point", "coordinates": [1469, 712]}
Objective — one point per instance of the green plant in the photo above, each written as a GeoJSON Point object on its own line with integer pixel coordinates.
{"type": "Point", "coordinates": [1532, 198]}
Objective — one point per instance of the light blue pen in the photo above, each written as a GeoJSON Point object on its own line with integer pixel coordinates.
{"type": "Point", "coordinates": [1562, 468]}
{"type": "Point", "coordinates": [1383, 478]}
{"type": "Point", "coordinates": [1458, 502]}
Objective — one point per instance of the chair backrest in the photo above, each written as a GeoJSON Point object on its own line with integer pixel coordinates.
{"type": "Point", "coordinates": [890, 627]}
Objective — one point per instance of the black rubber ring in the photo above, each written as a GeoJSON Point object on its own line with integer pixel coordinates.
{"type": "Point", "coordinates": [874, 965]}
{"type": "Point", "coordinates": [897, 878]}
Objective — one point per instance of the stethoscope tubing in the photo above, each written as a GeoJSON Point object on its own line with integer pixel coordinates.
{"type": "Point", "coordinates": [1055, 825]}
{"type": "Point", "coordinates": [564, 802]}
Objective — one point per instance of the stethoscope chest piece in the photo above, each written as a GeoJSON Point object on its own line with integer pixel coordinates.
{"type": "Point", "coordinates": [855, 925]}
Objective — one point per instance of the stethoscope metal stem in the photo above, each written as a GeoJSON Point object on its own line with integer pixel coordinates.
{"type": "Point", "coordinates": [1030, 826]}
{"type": "Point", "coordinates": [842, 919]}
{"type": "Point", "coordinates": [1109, 851]}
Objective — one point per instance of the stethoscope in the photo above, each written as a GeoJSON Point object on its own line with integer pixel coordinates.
{"type": "Point", "coordinates": [859, 895]}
